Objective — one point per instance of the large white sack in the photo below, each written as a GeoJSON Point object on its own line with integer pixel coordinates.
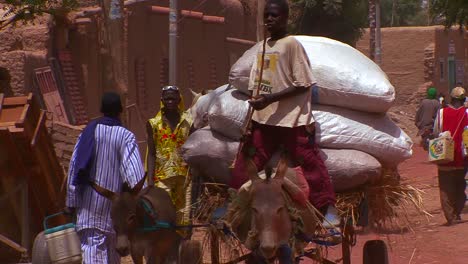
{"type": "Point", "coordinates": [200, 108]}
{"type": "Point", "coordinates": [375, 134]}
{"type": "Point", "coordinates": [228, 113]}
{"type": "Point", "coordinates": [338, 128]}
{"type": "Point", "coordinates": [211, 154]}
{"type": "Point", "coordinates": [345, 77]}
{"type": "Point", "coordinates": [349, 168]}
{"type": "Point", "coordinates": [240, 71]}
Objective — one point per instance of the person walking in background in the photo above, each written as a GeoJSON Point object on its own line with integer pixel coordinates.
{"type": "Point", "coordinates": [451, 175]}
{"type": "Point", "coordinates": [107, 154]}
{"type": "Point", "coordinates": [426, 115]}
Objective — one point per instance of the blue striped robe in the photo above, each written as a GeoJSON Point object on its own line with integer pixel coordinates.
{"type": "Point", "coordinates": [117, 160]}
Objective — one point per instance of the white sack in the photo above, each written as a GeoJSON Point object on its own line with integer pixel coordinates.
{"type": "Point", "coordinates": [211, 154]}
{"type": "Point", "coordinates": [200, 109]}
{"type": "Point", "coordinates": [375, 134]}
{"type": "Point", "coordinates": [337, 128]}
{"type": "Point", "coordinates": [228, 114]}
{"type": "Point", "coordinates": [240, 71]}
{"type": "Point", "coordinates": [349, 168]}
{"type": "Point", "coordinates": [345, 77]}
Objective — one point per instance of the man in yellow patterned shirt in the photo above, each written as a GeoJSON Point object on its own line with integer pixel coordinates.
{"type": "Point", "coordinates": [168, 130]}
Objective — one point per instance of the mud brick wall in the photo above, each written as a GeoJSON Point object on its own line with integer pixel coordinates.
{"type": "Point", "coordinates": [403, 57]}
{"type": "Point", "coordinates": [22, 49]}
{"type": "Point", "coordinates": [64, 138]}
{"type": "Point", "coordinates": [429, 62]}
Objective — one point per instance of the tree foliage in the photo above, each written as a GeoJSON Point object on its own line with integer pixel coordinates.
{"type": "Point", "coordinates": [397, 13]}
{"type": "Point", "coordinates": [342, 20]}
{"type": "Point", "coordinates": [28, 10]}
{"type": "Point", "coordinates": [451, 12]}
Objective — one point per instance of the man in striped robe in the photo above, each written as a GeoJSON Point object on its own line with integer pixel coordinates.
{"type": "Point", "coordinates": [107, 154]}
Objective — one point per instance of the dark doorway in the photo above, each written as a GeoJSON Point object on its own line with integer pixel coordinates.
{"type": "Point", "coordinates": [5, 79]}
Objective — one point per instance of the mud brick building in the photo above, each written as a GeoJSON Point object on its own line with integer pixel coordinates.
{"type": "Point", "coordinates": [416, 57]}
{"type": "Point", "coordinates": [62, 61]}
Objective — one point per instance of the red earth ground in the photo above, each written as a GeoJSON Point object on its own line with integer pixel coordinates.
{"type": "Point", "coordinates": [430, 241]}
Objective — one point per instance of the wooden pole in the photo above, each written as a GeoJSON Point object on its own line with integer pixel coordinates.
{"type": "Point", "coordinates": [260, 23]}
{"type": "Point", "coordinates": [25, 223]}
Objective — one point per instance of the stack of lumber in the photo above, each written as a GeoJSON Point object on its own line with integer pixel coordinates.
{"type": "Point", "coordinates": [30, 174]}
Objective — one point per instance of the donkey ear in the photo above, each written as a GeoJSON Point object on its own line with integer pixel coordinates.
{"type": "Point", "coordinates": [126, 187]}
{"type": "Point", "coordinates": [137, 188]}
{"type": "Point", "coordinates": [194, 94]}
{"type": "Point", "coordinates": [251, 170]}
{"type": "Point", "coordinates": [282, 168]}
{"type": "Point", "coordinates": [103, 191]}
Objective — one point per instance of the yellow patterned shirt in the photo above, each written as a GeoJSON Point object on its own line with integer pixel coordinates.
{"type": "Point", "coordinates": [169, 162]}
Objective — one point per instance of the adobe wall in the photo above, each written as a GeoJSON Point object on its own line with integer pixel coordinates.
{"type": "Point", "coordinates": [450, 44]}
{"type": "Point", "coordinates": [205, 52]}
{"type": "Point", "coordinates": [23, 48]}
{"type": "Point", "coordinates": [403, 57]}
{"type": "Point", "coordinates": [64, 138]}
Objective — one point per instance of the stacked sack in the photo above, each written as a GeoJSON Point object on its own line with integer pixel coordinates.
{"type": "Point", "coordinates": [351, 98]}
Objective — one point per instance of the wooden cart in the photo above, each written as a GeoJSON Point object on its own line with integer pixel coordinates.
{"type": "Point", "coordinates": [30, 175]}
{"type": "Point", "coordinates": [375, 251]}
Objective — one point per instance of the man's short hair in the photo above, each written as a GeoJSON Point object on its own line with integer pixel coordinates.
{"type": "Point", "coordinates": [111, 104]}
{"type": "Point", "coordinates": [282, 4]}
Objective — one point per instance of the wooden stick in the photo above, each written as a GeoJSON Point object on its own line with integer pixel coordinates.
{"type": "Point", "coordinates": [12, 244]}
{"type": "Point", "coordinates": [251, 110]}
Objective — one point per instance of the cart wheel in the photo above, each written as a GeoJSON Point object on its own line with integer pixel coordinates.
{"type": "Point", "coordinates": [191, 252]}
{"type": "Point", "coordinates": [375, 252]}
{"type": "Point", "coordinates": [40, 253]}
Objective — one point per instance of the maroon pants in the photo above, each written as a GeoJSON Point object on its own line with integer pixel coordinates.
{"type": "Point", "coordinates": [266, 140]}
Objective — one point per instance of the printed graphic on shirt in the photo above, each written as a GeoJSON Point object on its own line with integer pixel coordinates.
{"type": "Point", "coordinates": [269, 68]}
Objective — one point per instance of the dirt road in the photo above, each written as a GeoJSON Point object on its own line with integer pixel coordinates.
{"type": "Point", "coordinates": [430, 241]}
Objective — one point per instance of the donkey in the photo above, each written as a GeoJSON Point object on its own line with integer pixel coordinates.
{"type": "Point", "coordinates": [128, 214]}
{"type": "Point", "coordinates": [269, 201]}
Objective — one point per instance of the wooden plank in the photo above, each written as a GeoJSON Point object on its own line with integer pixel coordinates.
{"type": "Point", "coordinates": [11, 169]}
{"type": "Point", "coordinates": [30, 98]}
{"type": "Point", "coordinates": [24, 112]}
{"type": "Point", "coordinates": [47, 170]}
{"type": "Point", "coordinates": [51, 173]}
{"type": "Point", "coordinates": [41, 122]}
{"type": "Point", "coordinates": [28, 121]}
{"type": "Point", "coordinates": [14, 101]}
{"type": "Point", "coordinates": [15, 129]}
{"type": "Point", "coordinates": [7, 124]}
{"type": "Point", "coordinates": [54, 104]}
{"type": "Point", "coordinates": [12, 244]}
{"type": "Point", "coordinates": [10, 114]}
{"type": "Point", "coordinates": [39, 199]}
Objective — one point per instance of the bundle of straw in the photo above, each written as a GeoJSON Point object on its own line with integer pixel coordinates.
{"type": "Point", "coordinates": [388, 201]}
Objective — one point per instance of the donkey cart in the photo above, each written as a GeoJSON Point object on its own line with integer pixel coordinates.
{"type": "Point", "coordinates": [276, 233]}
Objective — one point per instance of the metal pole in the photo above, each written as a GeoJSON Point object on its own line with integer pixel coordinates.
{"type": "Point", "coordinates": [173, 12]}
{"type": "Point", "coordinates": [378, 36]}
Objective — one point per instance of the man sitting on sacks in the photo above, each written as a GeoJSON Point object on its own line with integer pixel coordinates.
{"type": "Point", "coordinates": [283, 114]}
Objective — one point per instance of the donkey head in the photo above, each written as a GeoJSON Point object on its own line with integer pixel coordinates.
{"type": "Point", "coordinates": [271, 218]}
{"type": "Point", "coordinates": [123, 212]}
